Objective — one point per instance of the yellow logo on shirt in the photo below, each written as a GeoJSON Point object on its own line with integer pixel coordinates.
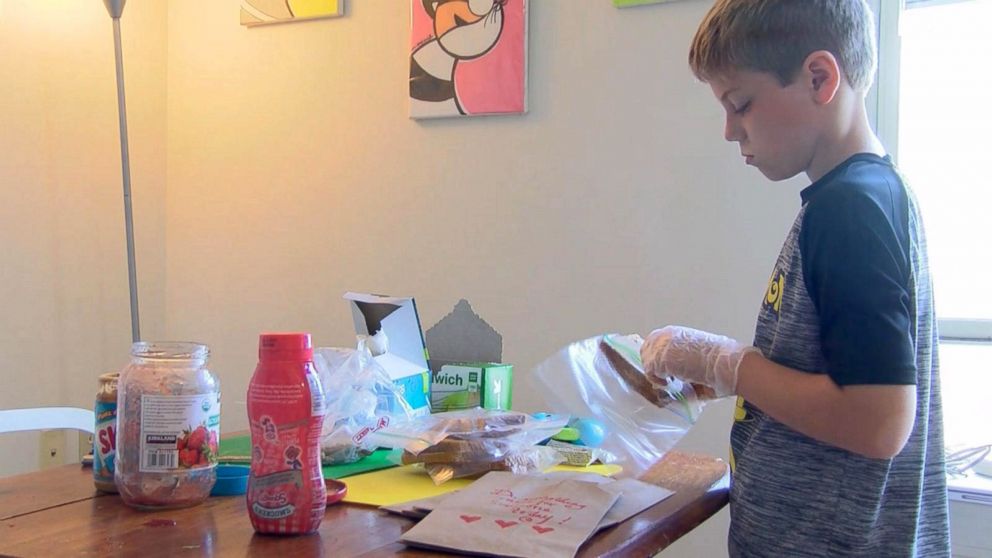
{"type": "Point", "coordinates": [776, 288]}
{"type": "Point", "coordinates": [740, 415]}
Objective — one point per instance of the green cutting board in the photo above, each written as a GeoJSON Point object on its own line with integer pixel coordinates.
{"type": "Point", "coordinates": [237, 449]}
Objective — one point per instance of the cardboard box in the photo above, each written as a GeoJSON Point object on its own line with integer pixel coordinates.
{"type": "Point", "coordinates": [406, 358]}
{"type": "Point", "coordinates": [475, 384]}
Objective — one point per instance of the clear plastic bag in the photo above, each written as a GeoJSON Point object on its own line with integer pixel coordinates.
{"type": "Point", "coordinates": [644, 418]}
{"type": "Point", "coordinates": [360, 398]}
{"type": "Point", "coordinates": [473, 441]}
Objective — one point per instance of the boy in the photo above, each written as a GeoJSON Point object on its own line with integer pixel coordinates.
{"type": "Point", "coordinates": [837, 444]}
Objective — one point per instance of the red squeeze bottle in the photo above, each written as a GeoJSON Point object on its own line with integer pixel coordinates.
{"type": "Point", "coordinates": [286, 492]}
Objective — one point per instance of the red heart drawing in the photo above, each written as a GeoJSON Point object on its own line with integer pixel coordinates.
{"type": "Point", "coordinates": [505, 524]}
{"type": "Point", "coordinates": [470, 518]}
{"type": "Point", "coordinates": [541, 530]}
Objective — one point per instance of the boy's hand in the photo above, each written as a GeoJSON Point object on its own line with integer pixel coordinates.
{"type": "Point", "coordinates": [695, 356]}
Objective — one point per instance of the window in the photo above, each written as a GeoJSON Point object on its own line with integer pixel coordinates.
{"type": "Point", "coordinates": [933, 92]}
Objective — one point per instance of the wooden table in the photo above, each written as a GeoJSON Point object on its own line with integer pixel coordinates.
{"type": "Point", "coordinates": [57, 512]}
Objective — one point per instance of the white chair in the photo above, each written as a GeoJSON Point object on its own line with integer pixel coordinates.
{"type": "Point", "coordinates": [47, 418]}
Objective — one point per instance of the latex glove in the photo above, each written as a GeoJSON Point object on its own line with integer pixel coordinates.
{"type": "Point", "coordinates": [695, 356]}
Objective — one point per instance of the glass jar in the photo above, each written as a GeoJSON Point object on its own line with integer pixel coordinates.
{"type": "Point", "coordinates": [168, 408]}
{"type": "Point", "coordinates": [105, 433]}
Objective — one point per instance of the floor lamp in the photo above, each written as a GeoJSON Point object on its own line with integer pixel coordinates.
{"type": "Point", "coordinates": [115, 8]}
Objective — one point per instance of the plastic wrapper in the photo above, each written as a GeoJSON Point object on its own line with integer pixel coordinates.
{"type": "Point", "coordinates": [474, 441]}
{"type": "Point", "coordinates": [602, 377]}
{"type": "Point", "coordinates": [360, 399]}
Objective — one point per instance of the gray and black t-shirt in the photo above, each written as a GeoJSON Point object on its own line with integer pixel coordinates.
{"type": "Point", "coordinates": [850, 296]}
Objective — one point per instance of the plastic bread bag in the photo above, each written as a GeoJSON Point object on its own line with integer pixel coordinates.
{"type": "Point", "coordinates": [462, 443]}
{"type": "Point", "coordinates": [477, 424]}
{"type": "Point", "coordinates": [360, 398]}
{"type": "Point", "coordinates": [602, 377]}
{"type": "Point", "coordinates": [519, 461]}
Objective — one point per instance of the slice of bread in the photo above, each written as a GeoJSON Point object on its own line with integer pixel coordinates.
{"type": "Point", "coordinates": [658, 392]}
{"type": "Point", "coordinates": [634, 377]}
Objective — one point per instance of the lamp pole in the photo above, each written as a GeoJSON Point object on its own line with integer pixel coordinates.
{"type": "Point", "coordinates": [115, 8]}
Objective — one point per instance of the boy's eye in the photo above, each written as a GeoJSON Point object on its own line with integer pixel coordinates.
{"type": "Point", "coordinates": [743, 108]}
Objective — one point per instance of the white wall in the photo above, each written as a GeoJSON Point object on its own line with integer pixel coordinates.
{"type": "Point", "coordinates": [63, 275]}
{"type": "Point", "coordinates": [295, 175]}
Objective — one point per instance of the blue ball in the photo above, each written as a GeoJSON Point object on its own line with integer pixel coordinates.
{"type": "Point", "coordinates": [591, 432]}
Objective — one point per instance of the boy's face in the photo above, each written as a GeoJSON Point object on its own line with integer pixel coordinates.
{"type": "Point", "coordinates": [772, 124]}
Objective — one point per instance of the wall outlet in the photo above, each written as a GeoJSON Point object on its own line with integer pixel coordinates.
{"type": "Point", "coordinates": [85, 445]}
{"type": "Point", "coordinates": [51, 449]}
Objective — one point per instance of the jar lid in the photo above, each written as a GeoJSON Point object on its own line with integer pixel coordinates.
{"type": "Point", "coordinates": [336, 491]}
{"type": "Point", "coordinates": [232, 480]}
{"type": "Point", "coordinates": [285, 346]}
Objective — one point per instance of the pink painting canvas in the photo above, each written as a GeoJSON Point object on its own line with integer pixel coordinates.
{"type": "Point", "coordinates": [468, 57]}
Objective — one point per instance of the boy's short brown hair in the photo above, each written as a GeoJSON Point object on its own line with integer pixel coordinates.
{"type": "Point", "coordinates": [775, 36]}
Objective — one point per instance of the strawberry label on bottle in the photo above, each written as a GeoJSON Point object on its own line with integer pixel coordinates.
{"type": "Point", "coordinates": [276, 494]}
{"type": "Point", "coordinates": [286, 490]}
{"type": "Point", "coordinates": [179, 431]}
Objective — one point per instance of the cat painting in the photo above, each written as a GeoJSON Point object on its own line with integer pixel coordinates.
{"type": "Point", "coordinates": [467, 57]}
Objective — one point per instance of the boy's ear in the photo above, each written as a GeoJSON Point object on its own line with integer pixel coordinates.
{"type": "Point", "coordinates": [823, 75]}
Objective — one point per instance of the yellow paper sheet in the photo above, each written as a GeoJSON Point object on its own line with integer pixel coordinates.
{"type": "Point", "coordinates": [402, 484]}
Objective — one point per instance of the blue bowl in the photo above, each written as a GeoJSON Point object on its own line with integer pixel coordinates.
{"type": "Point", "coordinates": [231, 480]}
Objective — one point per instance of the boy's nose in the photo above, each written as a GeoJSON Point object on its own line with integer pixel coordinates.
{"type": "Point", "coordinates": [731, 132]}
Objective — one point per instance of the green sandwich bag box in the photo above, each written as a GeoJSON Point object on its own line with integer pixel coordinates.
{"type": "Point", "coordinates": [472, 384]}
